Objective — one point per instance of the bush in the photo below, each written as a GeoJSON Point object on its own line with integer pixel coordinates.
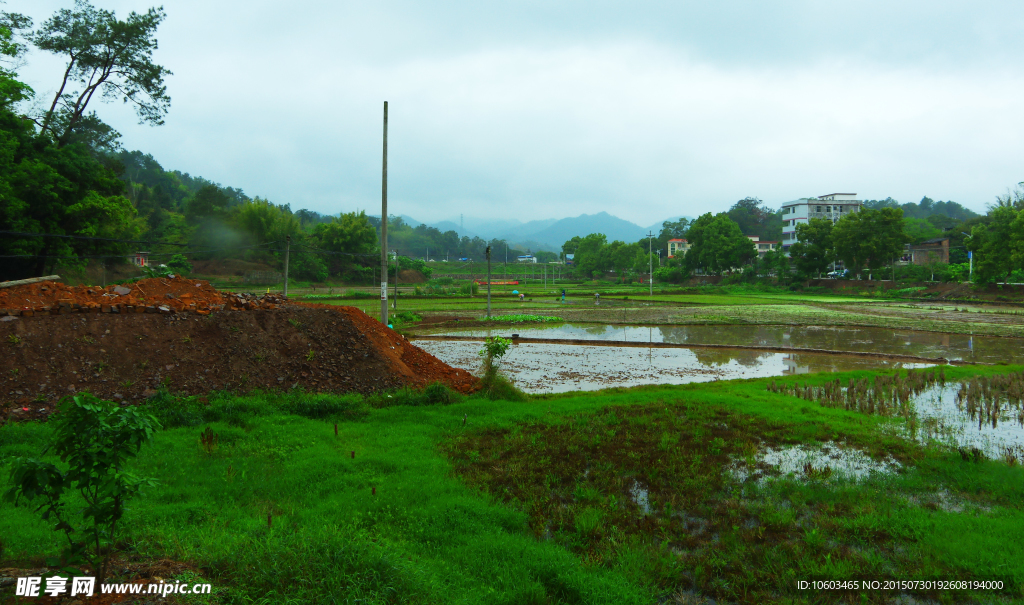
{"type": "Point", "coordinates": [435, 393]}
{"type": "Point", "coordinates": [96, 439]}
{"type": "Point", "coordinates": [179, 264]}
{"type": "Point", "coordinates": [470, 288]}
{"type": "Point", "coordinates": [404, 317]}
{"type": "Point", "coordinates": [321, 407]}
{"type": "Point", "coordinates": [493, 385]}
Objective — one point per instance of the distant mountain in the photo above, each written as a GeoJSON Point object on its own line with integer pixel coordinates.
{"type": "Point", "coordinates": [444, 226]}
{"type": "Point", "coordinates": [526, 230]}
{"type": "Point", "coordinates": [613, 227]}
{"type": "Point", "coordinates": [549, 234]}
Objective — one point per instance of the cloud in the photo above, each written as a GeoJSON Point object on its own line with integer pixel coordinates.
{"type": "Point", "coordinates": [528, 114]}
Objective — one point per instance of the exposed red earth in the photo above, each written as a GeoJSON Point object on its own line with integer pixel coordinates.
{"type": "Point", "coordinates": [186, 336]}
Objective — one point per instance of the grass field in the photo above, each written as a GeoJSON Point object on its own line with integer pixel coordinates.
{"type": "Point", "coordinates": [535, 502]}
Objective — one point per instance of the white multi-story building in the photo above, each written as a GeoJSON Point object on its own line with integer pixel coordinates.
{"type": "Point", "coordinates": [833, 207]}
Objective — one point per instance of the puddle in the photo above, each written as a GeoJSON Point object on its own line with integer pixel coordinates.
{"type": "Point", "coordinates": [640, 497]}
{"type": "Point", "coordinates": [941, 419]}
{"type": "Point", "coordinates": [553, 368]}
{"type": "Point", "coordinates": [991, 349]}
{"type": "Point", "coordinates": [827, 461]}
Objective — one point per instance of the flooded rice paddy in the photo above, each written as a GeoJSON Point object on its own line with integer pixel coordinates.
{"type": "Point", "coordinates": [555, 368]}
{"type": "Point", "coordinates": [999, 434]}
{"type": "Point", "coordinates": [954, 347]}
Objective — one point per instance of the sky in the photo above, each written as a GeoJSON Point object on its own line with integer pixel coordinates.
{"type": "Point", "coordinates": [533, 110]}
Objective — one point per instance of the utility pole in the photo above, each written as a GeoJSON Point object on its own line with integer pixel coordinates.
{"type": "Point", "coordinates": [970, 258]}
{"type": "Point", "coordinates": [287, 252]}
{"type": "Point", "coordinates": [650, 262]}
{"type": "Point", "coordinates": [488, 253]}
{"type": "Point", "coordinates": [384, 227]}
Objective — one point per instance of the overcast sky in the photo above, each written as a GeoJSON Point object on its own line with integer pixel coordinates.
{"type": "Point", "coordinates": [546, 109]}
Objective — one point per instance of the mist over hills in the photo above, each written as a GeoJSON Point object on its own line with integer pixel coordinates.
{"type": "Point", "coordinates": [545, 234]}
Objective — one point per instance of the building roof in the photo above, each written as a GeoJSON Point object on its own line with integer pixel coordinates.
{"type": "Point", "coordinates": [675, 239]}
{"type": "Point", "coordinates": [937, 240]}
{"type": "Point", "coordinates": [818, 200]}
{"type": "Point", "coordinates": [803, 200]}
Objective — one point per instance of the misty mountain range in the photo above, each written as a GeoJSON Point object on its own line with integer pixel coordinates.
{"type": "Point", "coordinates": [547, 234]}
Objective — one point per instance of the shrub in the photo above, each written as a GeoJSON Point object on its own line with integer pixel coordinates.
{"type": "Point", "coordinates": [435, 393]}
{"type": "Point", "coordinates": [179, 264]}
{"type": "Point", "coordinates": [319, 407]}
{"type": "Point", "coordinates": [492, 384]}
{"type": "Point", "coordinates": [95, 438]}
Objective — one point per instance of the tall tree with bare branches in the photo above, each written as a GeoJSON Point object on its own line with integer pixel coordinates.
{"type": "Point", "coordinates": [105, 57]}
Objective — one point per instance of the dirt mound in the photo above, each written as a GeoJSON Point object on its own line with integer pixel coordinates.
{"type": "Point", "coordinates": [128, 357]}
{"type": "Point", "coordinates": [147, 295]}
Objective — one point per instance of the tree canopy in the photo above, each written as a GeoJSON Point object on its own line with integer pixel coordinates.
{"type": "Point", "coordinates": [717, 244]}
{"type": "Point", "coordinates": [870, 239]}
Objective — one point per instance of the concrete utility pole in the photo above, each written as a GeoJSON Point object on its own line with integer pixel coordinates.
{"type": "Point", "coordinates": [384, 227]}
{"type": "Point", "coordinates": [488, 253]}
{"type": "Point", "coordinates": [287, 253]}
{"type": "Point", "coordinates": [650, 262]}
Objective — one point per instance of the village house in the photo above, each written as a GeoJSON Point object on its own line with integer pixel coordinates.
{"type": "Point", "coordinates": [677, 246]}
{"type": "Point", "coordinates": [929, 251]}
{"type": "Point", "coordinates": [833, 207]}
{"type": "Point", "coordinates": [763, 247]}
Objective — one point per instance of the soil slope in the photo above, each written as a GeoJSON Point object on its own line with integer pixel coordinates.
{"type": "Point", "coordinates": [128, 356]}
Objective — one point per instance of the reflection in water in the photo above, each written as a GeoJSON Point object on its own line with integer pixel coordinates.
{"type": "Point", "coordinates": [991, 349]}
{"type": "Point", "coordinates": [554, 368]}
{"type": "Point", "coordinates": [942, 419]}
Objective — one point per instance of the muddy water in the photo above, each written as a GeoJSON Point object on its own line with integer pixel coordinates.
{"type": "Point", "coordinates": [552, 368]}
{"type": "Point", "coordinates": [991, 349]}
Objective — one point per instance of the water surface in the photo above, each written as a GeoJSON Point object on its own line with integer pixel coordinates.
{"type": "Point", "coordinates": [554, 368]}
{"type": "Point", "coordinates": [989, 349]}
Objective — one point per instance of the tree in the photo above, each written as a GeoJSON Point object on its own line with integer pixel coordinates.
{"type": "Point", "coordinates": [754, 218]}
{"type": "Point", "coordinates": [588, 254]}
{"type": "Point", "coordinates": [106, 56]}
{"type": "Point", "coordinates": [814, 251]}
{"type": "Point", "coordinates": [919, 229]}
{"type": "Point", "coordinates": [11, 89]}
{"type": "Point", "coordinates": [870, 239]}
{"type": "Point", "coordinates": [349, 237]}
{"type": "Point", "coordinates": [717, 244]}
{"type": "Point", "coordinates": [997, 246]}
{"type": "Point", "coordinates": [674, 229]}
{"type": "Point", "coordinates": [775, 262]}
{"type": "Point", "coordinates": [96, 439]}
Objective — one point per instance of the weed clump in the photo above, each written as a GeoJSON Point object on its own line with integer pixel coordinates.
{"type": "Point", "coordinates": [493, 385]}
{"type": "Point", "coordinates": [435, 393]}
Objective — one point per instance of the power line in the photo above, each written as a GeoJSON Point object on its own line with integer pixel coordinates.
{"type": "Point", "coordinates": [102, 239]}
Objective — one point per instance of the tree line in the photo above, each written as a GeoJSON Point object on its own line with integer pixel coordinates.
{"type": "Point", "coordinates": [863, 242]}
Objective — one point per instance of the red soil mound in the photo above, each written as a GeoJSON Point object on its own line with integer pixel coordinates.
{"type": "Point", "coordinates": [128, 355]}
{"type": "Point", "coordinates": [147, 295]}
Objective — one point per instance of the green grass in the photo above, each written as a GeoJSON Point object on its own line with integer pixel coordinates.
{"type": "Point", "coordinates": [500, 510]}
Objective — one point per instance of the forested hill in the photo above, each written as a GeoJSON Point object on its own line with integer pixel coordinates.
{"type": "Point", "coordinates": [925, 209]}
